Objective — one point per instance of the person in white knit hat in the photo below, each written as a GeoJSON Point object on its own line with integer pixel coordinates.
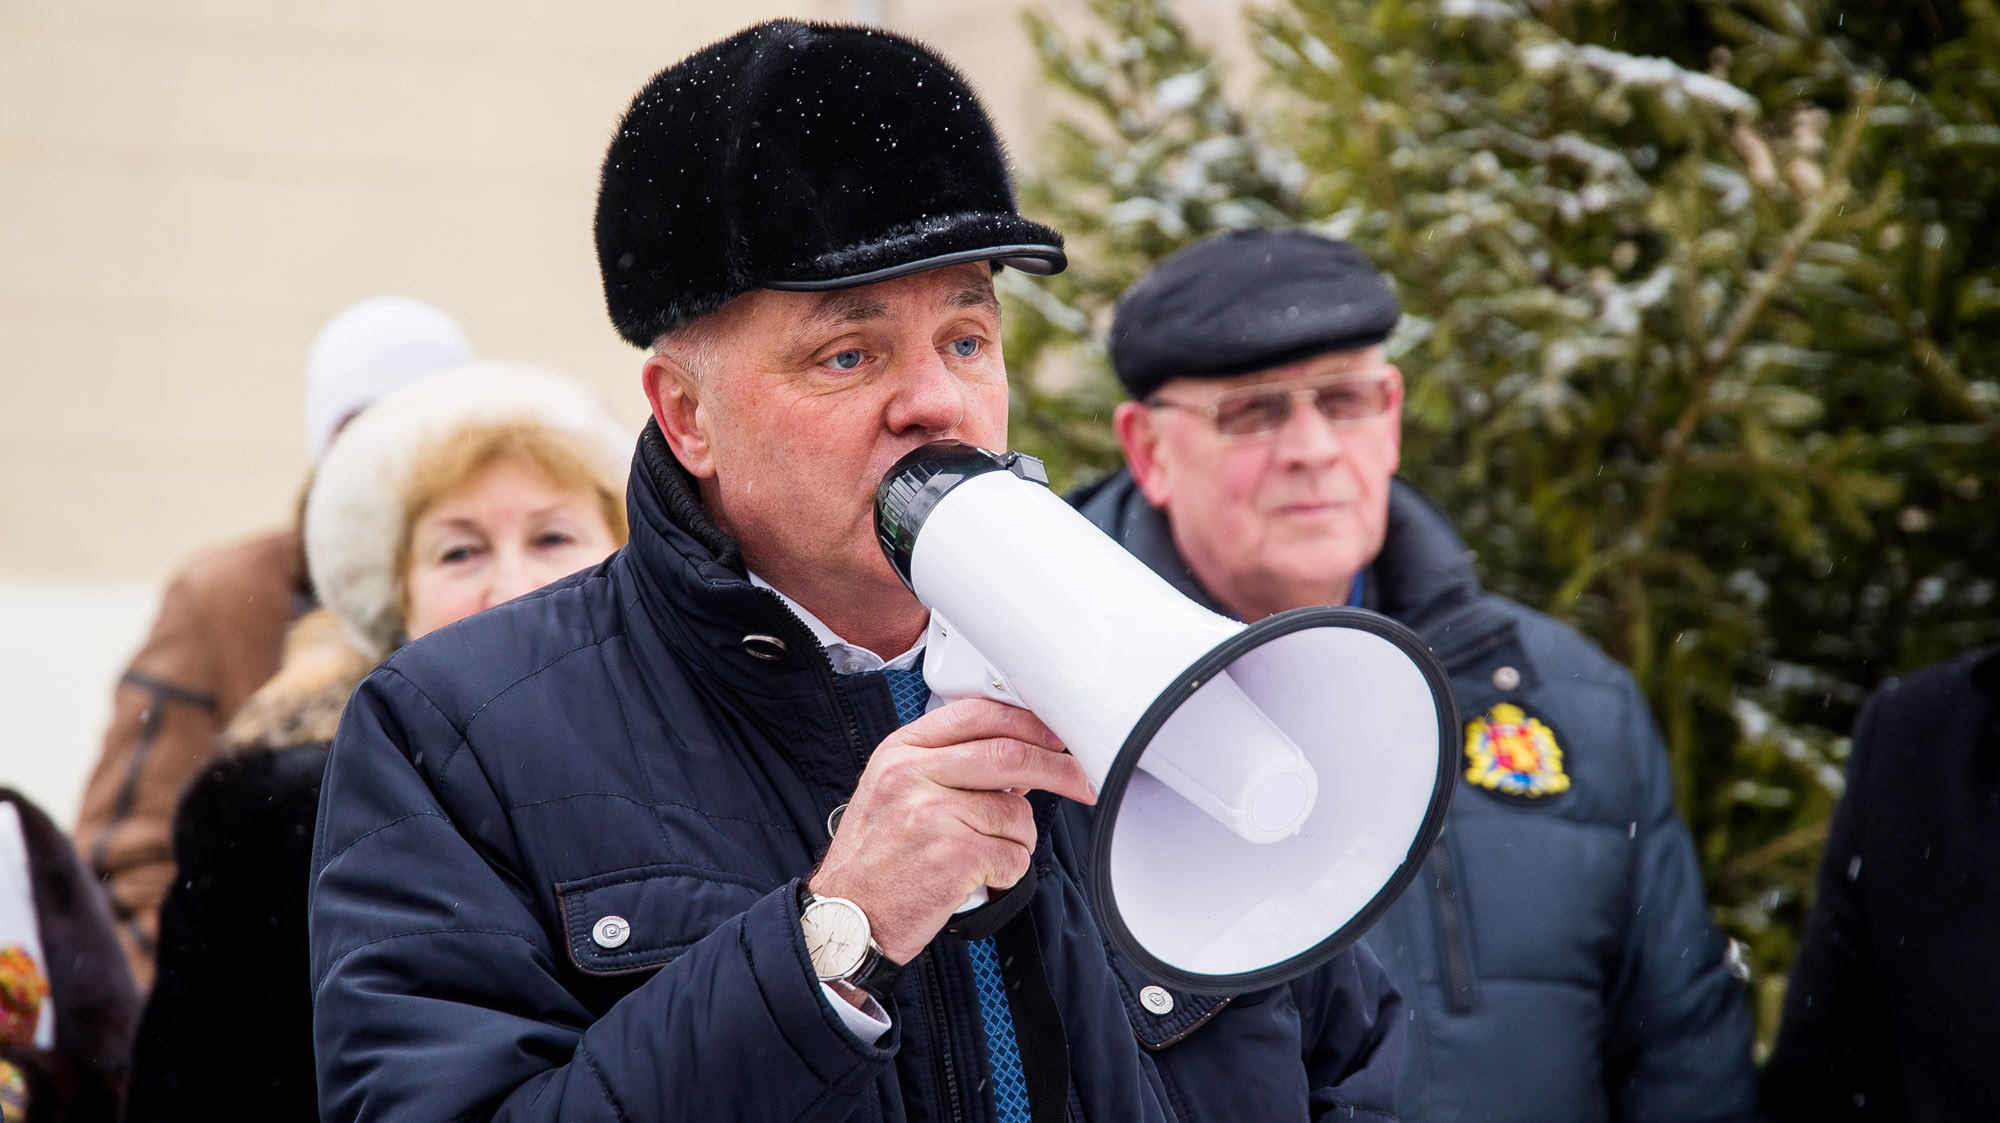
{"type": "Point", "coordinates": [369, 350]}
{"type": "Point", "coordinates": [222, 622]}
{"type": "Point", "coordinates": [460, 491]}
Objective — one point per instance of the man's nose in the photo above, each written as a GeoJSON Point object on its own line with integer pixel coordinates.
{"type": "Point", "coordinates": [928, 396]}
{"type": "Point", "coordinates": [1307, 436]}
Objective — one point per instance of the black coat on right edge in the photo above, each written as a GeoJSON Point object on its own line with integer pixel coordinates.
{"type": "Point", "coordinates": [1894, 1007]}
{"type": "Point", "coordinates": [1556, 954]}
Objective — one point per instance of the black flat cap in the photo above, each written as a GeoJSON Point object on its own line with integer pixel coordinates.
{"type": "Point", "coordinates": [800, 156]}
{"type": "Point", "coordinates": [1245, 301]}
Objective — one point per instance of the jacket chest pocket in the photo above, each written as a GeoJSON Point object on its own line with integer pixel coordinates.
{"type": "Point", "coordinates": [639, 919]}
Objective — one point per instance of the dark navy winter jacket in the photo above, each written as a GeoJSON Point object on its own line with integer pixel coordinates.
{"type": "Point", "coordinates": [658, 740]}
{"type": "Point", "coordinates": [1556, 956]}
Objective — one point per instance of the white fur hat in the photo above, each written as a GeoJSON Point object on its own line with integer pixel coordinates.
{"type": "Point", "coordinates": [355, 517]}
{"type": "Point", "coordinates": [368, 350]}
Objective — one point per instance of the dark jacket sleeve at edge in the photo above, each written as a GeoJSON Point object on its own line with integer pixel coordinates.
{"type": "Point", "coordinates": [438, 995]}
{"type": "Point", "coordinates": [1678, 1047]}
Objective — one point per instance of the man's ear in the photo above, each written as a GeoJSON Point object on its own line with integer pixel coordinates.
{"type": "Point", "coordinates": [1140, 439]}
{"type": "Point", "coordinates": [675, 396]}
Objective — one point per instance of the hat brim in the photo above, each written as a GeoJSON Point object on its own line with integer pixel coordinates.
{"type": "Point", "coordinates": [1039, 260]}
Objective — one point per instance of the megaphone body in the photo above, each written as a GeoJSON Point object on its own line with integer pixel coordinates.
{"type": "Point", "coordinates": [1265, 790]}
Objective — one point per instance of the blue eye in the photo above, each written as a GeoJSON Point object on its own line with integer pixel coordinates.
{"type": "Point", "coordinates": [966, 347]}
{"type": "Point", "coordinates": [846, 360]}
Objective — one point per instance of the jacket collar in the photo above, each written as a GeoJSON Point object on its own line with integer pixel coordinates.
{"type": "Point", "coordinates": [1423, 577]}
{"type": "Point", "coordinates": [1118, 508]}
{"type": "Point", "coordinates": [697, 594]}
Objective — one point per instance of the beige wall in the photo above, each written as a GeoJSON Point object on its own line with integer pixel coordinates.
{"type": "Point", "coordinates": [188, 190]}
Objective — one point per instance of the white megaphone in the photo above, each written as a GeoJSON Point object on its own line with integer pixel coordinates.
{"type": "Point", "coordinates": [1265, 791]}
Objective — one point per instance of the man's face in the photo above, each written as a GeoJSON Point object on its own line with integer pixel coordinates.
{"type": "Point", "coordinates": [805, 401]}
{"type": "Point", "coordinates": [1275, 520]}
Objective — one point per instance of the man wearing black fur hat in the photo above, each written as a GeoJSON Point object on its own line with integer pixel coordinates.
{"type": "Point", "coordinates": [1556, 958]}
{"type": "Point", "coordinates": [672, 839]}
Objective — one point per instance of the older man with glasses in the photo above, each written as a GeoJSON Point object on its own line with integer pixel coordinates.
{"type": "Point", "coordinates": [1557, 958]}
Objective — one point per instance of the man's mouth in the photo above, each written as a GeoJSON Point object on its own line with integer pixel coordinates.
{"type": "Point", "coordinates": [1306, 508]}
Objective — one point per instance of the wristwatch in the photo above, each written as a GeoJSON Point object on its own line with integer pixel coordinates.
{"type": "Point", "coordinates": [842, 951]}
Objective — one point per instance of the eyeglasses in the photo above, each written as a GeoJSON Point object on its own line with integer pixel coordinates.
{"type": "Point", "coordinates": [1250, 411]}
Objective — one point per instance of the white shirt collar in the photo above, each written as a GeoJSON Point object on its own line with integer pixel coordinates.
{"type": "Point", "coordinates": [848, 658]}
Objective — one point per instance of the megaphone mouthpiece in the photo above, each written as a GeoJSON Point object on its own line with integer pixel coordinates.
{"type": "Point", "coordinates": [917, 483]}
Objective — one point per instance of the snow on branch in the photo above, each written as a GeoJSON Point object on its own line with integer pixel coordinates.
{"type": "Point", "coordinates": [1676, 84]}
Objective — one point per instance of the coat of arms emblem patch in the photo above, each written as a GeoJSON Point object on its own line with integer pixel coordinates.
{"type": "Point", "coordinates": [1508, 752]}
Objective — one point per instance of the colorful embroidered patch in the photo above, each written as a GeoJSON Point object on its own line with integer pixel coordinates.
{"type": "Point", "coordinates": [1509, 753]}
{"type": "Point", "coordinates": [13, 1094]}
{"type": "Point", "coordinates": [22, 989]}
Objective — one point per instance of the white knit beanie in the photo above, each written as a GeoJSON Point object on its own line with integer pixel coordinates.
{"type": "Point", "coordinates": [355, 514]}
{"type": "Point", "coordinates": [370, 349]}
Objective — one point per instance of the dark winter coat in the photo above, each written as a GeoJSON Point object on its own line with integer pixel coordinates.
{"type": "Point", "coordinates": [1557, 955]}
{"type": "Point", "coordinates": [659, 740]}
{"type": "Point", "coordinates": [1894, 1007]}
{"type": "Point", "coordinates": [227, 1030]}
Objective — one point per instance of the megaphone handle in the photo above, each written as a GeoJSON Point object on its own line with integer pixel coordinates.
{"type": "Point", "coordinates": [954, 669]}
{"type": "Point", "coordinates": [984, 921]}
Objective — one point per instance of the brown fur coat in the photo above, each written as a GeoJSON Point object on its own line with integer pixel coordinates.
{"type": "Point", "coordinates": [301, 704]}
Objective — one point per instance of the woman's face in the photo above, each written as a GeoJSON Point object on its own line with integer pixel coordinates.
{"type": "Point", "coordinates": [507, 530]}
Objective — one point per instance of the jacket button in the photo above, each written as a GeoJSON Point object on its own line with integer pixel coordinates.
{"type": "Point", "coordinates": [761, 646]}
{"type": "Point", "coordinates": [1156, 1000]}
{"type": "Point", "coordinates": [611, 932]}
{"type": "Point", "coordinates": [1506, 678]}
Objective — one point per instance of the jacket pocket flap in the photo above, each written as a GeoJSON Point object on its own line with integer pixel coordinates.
{"type": "Point", "coordinates": [1160, 1015]}
{"type": "Point", "coordinates": [638, 919]}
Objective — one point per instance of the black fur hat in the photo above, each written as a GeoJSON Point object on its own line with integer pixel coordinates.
{"type": "Point", "coordinates": [800, 156]}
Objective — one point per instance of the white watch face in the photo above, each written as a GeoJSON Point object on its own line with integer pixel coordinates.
{"type": "Point", "coordinates": [836, 936]}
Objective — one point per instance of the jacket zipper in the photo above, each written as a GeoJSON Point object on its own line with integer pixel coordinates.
{"type": "Point", "coordinates": [850, 726]}
{"type": "Point", "coordinates": [947, 1070]}
{"type": "Point", "coordinates": [1454, 950]}
{"type": "Point", "coordinates": [1454, 947]}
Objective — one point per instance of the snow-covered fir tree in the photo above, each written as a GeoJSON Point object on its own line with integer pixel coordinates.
{"type": "Point", "coordinates": [1702, 303]}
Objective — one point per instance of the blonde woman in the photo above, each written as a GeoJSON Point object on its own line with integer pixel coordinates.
{"type": "Point", "coordinates": [465, 489]}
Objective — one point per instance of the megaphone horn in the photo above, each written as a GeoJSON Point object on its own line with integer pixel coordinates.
{"type": "Point", "coordinates": [1265, 791]}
